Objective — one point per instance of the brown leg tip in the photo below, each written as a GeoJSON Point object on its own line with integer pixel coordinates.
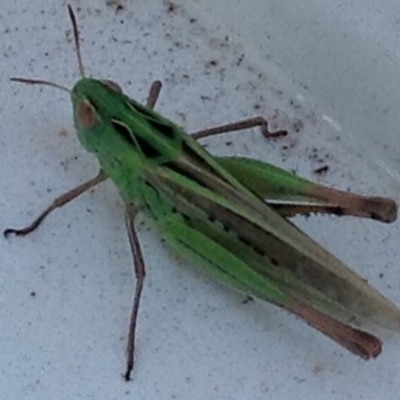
{"type": "Point", "coordinates": [127, 375]}
{"type": "Point", "coordinates": [9, 232]}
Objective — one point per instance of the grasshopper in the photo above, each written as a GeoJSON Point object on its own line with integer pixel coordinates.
{"type": "Point", "coordinates": [228, 215]}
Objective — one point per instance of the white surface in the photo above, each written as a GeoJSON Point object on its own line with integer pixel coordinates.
{"type": "Point", "coordinates": [334, 69]}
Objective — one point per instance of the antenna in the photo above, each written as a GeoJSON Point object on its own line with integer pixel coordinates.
{"type": "Point", "coordinates": [40, 82]}
{"type": "Point", "coordinates": [76, 39]}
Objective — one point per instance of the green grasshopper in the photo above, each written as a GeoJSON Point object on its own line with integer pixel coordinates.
{"type": "Point", "coordinates": [229, 215]}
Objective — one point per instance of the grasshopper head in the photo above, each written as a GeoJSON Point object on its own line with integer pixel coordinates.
{"type": "Point", "coordinates": [95, 104]}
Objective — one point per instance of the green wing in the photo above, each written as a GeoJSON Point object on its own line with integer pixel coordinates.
{"type": "Point", "coordinates": [221, 255]}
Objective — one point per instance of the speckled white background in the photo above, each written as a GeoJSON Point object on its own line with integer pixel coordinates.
{"type": "Point", "coordinates": [329, 73]}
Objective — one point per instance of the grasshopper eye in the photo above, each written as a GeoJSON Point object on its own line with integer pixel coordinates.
{"type": "Point", "coordinates": [112, 85]}
{"type": "Point", "coordinates": [87, 115]}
